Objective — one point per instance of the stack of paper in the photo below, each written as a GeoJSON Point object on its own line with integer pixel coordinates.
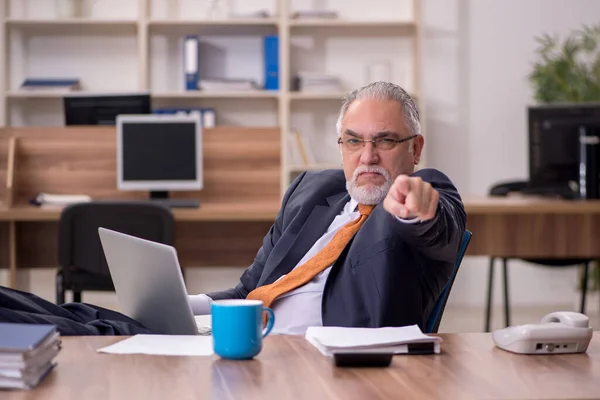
{"type": "Point", "coordinates": [59, 200]}
{"type": "Point", "coordinates": [315, 82]}
{"type": "Point", "coordinates": [27, 354]}
{"type": "Point", "coordinates": [162, 345]}
{"type": "Point", "coordinates": [397, 340]}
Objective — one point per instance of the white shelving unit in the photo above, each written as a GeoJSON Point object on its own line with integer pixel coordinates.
{"type": "Point", "coordinates": [134, 45]}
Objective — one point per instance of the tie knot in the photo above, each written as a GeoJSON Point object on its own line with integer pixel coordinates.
{"type": "Point", "coordinates": [365, 209]}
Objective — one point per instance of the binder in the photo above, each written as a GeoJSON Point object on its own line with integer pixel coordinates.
{"type": "Point", "coordinates": [190, 62]}
{"type": "Point", "coordinates": [19, 338]}
{"type": "Point", "coordinates": [271, 60]}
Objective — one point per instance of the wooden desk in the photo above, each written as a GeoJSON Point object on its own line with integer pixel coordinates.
{"type": "Point", "coordinates": [533, 227]}
{"type": "Point", "coordinates": [239, 200]}
{"type": "Point", "coordinates": [290, 368]}
{"type": "Point", "coordinates": [516, 227]}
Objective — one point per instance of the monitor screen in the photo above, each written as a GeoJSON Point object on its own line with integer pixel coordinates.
{"type": "Point", "coordinates": [554, 142]}
{"type": "Point", "coordinates": [158, 152]}
{"type": "Point", "coordinates": [103, 109]}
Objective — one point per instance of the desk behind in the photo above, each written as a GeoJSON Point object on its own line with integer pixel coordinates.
{"type": "Point", "coordinates": [533, 227]}
{"type": "Point", "coordinates": [239, 201]}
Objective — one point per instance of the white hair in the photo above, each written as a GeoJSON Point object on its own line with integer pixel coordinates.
{"type": "Point", "coordinates": [385, 91]}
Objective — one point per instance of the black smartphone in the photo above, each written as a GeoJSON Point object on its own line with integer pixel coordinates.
{"type": "Point", "coordinates": [359, 359]}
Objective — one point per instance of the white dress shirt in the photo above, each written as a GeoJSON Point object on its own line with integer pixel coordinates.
{"type": "Point", "coordinates": [300, 308]}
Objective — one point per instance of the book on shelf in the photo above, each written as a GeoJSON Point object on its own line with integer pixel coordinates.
{"type": "Point", "coordinates": [191, 45]}
{"type": "Point", "coordinates": [271, 62]}
{"type": "Point", "coordinates": [317, 83]}
{"type": "Point", "coordinates": [227, 84]}
{"type": "Point", "coordinates": [258, 14]}
{"type": "Point", "coordinates": [27, 354]}
{"type": "Point", "coordinates": [300, 153]}
{"type": "Point", "coordinates": [315, 14]}
{"type": "Point", "coordinates": [208, 116]}
{"type": "Point", "coordinates": [193, 79]}
{"type": "Point", "coordinates": [52, 85]}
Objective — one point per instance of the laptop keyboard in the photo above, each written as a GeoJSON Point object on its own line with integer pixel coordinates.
{"type": "Point", "coordinates": [204, 330]}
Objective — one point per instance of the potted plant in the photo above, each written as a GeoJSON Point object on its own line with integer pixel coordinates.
{"type": "Point", "coordinates": [568, 71]}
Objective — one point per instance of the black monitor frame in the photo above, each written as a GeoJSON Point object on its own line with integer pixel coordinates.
{"type": "Point", "coordinates": [102, 109]}
{"type": "Point", "coordinates": [574, 118]}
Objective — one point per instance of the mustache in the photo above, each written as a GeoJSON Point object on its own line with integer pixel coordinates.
{"type": "Point", "coordinates": [370, 168]}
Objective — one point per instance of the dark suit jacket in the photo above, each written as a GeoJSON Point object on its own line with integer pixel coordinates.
{"type": "Point", "coordinates": [390, 274]}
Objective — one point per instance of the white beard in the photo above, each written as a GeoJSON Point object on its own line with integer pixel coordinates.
{"type": "Point", "coordinates": [369, 194]}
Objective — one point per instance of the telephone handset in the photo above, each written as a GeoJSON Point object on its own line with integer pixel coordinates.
{"type": "Point", "coordinates": [558, 333]}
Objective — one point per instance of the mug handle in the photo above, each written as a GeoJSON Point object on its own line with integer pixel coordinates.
{"type": "Point", "coordinates": [270, 321]}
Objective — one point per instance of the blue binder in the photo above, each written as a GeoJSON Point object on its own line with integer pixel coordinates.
{"type": "Point", "coordinates": [271, 54]}
{"type": "Point", "coordinates": [190, 62]}
{"type": "Point", "coordinates": [23, 337]}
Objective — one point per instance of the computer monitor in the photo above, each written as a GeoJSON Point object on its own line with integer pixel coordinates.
{"type": "Point", "coordinates": [160, 153]}
{"type": "Point", "coordinates": [554, 145]}
{"type": "Point", "coordinates": [102, 109]}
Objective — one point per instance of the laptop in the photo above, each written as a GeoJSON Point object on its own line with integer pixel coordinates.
{"type": "Point", "coordinates": [149, 284]}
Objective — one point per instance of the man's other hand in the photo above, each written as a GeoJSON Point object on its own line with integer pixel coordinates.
{"type": "Point", "coordinates": [411, 197]}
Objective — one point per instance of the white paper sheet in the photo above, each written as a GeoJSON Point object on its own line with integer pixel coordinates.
{"type": "Point", "coordinates": [163, 345]}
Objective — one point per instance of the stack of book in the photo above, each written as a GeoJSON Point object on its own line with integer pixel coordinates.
{"type": "Point", "coordinates": [50, 85]}
{"type": "Point", "coordinates": [27, 354]}
{"type": "Point", "coordinates": [227, 84]}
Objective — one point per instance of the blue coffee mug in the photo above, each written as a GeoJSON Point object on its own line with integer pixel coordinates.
{"type": "Point", "coordinates": [237, 328]}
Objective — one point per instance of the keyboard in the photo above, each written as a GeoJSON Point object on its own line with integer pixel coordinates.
{"type": "Point", "coordinates": [177, 203]}
{"type": "Point", "coordinates": [204, 330]}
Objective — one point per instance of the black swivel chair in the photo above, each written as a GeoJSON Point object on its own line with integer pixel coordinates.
{"type": "Point", "coordinates": [503, 189]}
{"type": "Point", "coordinates": [80, 256]}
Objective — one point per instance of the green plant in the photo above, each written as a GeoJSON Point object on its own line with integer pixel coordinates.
{"type": "Point", "coordinates": [568, 71]}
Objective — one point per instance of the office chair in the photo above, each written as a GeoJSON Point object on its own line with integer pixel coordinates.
{"type": "Point", "coordinates": [504, 189]}
{"type": "Point", "coordinates": [433, 323]}
{"type": "Point", "coordinates": [80, 256]}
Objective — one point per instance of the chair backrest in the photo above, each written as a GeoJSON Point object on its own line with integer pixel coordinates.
{"type": "Point", "coordinates": [78, 240]}
{"type": "Point", "coordinates": [433, 323]}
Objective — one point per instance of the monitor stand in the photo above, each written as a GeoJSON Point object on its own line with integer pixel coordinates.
{"type": "Point", "coordinates": [162, 198]}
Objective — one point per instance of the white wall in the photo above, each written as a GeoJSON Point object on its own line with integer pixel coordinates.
{"type": "Point", "coordinates": [477, 57]}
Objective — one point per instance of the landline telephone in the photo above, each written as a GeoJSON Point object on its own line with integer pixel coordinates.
{"type": "Point", "coordinates": [558, 333]}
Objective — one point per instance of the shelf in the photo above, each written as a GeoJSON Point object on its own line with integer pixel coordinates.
{"type": "Point", "coordinates": [335, 23]}
{"type": "Point", "coordinates": [317, 95]}
{"type": "Point", "coordinates": [242, 94]}
{"type": "Point", "coordinates": [60, 95]}
{"type": "Point", "coordinates": [36, 95]}
{"type": "Point", "coordinates": [165, 95]}
{"type": "Point", "coordinates": [313, 167]}
{"type": "Point", "coordinates": [208, 23]}
{"type": "Point", "coordinates": [70, 22]}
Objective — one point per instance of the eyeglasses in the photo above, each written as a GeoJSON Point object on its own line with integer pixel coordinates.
{"type": "Point", "coordinates": [384, 143]}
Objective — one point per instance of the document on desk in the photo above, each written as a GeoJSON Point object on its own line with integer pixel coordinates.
{"type": "Point", "coordinates": [398, 340]}
{"type": "Point", "coordinates": [163, 345]}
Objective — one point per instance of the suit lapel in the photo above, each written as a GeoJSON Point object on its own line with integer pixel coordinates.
{"type": "Point", "coordinates": [313, 228]}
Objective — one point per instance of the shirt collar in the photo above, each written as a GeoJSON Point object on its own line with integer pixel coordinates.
{"type": "Point", "coordinates": [352, 205]}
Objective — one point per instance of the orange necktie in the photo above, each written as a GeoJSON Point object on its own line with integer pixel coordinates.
{"type": "Point", "coordinates": [318, 263]}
